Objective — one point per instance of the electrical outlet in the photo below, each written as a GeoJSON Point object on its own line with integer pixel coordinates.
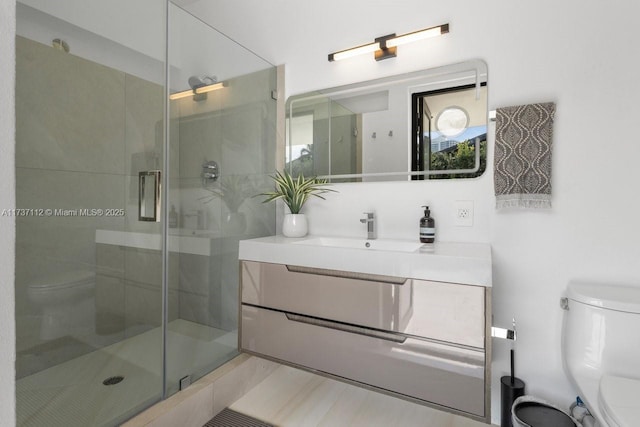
{"type": "Point", "coordinates": [463, 213]}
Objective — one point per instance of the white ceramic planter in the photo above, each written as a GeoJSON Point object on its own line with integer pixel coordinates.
{"type": "Point", "coordinates": [294, 225]}
{"type": "Point", "coordinates": [235, 223]}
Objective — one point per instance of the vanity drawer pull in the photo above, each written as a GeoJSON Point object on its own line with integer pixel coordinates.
{"type": "Point", "coordinates": [388, 336]}
{"type": "Point", "coordinates": [347, 274]}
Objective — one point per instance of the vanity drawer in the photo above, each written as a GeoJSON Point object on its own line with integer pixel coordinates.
{"type": "Point", "coordinates": [445, 375]}
{"type": "Point", "coordinates": [448, 312]}
{"type": "Point", "coordinates": [435, 310]}
{"type": "Point", "coordinates": [361, 301]}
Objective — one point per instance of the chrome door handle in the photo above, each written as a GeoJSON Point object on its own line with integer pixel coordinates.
{"type": "Point", "coordinates": [149, 185]}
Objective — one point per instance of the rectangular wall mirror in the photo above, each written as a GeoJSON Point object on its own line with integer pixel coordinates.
{"type": "Point", "coordinates": [428, 124]}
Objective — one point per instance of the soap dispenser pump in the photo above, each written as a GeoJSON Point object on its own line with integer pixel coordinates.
{"type": "Point", "coordinates": [427, 227]}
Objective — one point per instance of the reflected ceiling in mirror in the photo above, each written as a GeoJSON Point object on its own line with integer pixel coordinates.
{"type": "Point", "coordinates": [421, 125]}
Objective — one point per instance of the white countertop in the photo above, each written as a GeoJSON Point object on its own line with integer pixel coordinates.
{"type": "Point", "coordinates": [465, 263]}
{"type": "Point", "coordinates": [191, 244]}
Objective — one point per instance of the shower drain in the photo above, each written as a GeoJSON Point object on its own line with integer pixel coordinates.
{"type": "Point", "coordinates": [113, 380]}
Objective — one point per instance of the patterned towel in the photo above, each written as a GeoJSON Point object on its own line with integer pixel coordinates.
{"type": "Point", "coordinates": [522, 173]}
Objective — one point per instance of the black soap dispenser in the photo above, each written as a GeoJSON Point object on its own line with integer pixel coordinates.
{"type": "Point", "coordinates": [427, 227]}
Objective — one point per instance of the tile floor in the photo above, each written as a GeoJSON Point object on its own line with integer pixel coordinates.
{"type": "Point", "coordinates": [72, 394]}
{"type": "Point", "coordinates": [296, 398]}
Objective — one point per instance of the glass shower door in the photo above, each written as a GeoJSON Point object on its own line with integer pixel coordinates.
{"type": "Point", "coordinates": [90, 114]}
{"type": "Point", "coordinates": [133, 204]}
{"type": "Point", "coordinates": [222, 146]}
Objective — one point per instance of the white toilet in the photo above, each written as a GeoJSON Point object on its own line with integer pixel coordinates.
{"type": "Point", "coordinates": [601, 350]}
{"type": "Point", "coordinates": [67, 303]}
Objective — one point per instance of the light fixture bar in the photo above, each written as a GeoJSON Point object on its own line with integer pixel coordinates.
{"type": "Point", "coordinates": [418, 35]}
{"type": "Point", "coordinates": [385, 47]}
{"type": "Point", "coordinates": [180, 95]}
{"type": "Point", "coordinates": [197, 91]}
{"type": "Point", "coordinates": [210, 88]}
{"type": "Point", "coordinates": [348, 53]}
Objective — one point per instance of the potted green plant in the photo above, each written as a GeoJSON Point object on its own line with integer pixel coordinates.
{"type": "Point", "coordinates": [295, 192]}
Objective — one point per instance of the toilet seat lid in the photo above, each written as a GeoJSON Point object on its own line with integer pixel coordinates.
{"type": "Point", "coordinates": [67, 279]}
{"type": "Point", "coordinates": [618, 398]}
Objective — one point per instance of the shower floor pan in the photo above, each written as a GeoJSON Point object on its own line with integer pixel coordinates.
{"type": "Point", "coordinates": [74, 393]}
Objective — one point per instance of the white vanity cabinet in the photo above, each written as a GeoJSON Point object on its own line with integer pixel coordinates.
{"type": "Point", "coordinates": [418, 339]}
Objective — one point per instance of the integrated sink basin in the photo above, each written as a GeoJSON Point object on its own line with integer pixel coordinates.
{"type": "Point", "coordinates": [377, 244]}
{"type": "Point", "coordinates": [453, 262]}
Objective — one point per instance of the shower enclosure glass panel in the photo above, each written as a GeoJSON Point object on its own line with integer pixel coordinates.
{"type": "Point", "coordinates": [222, 148]}
{"type": "Point", "coordinates": [89, 110]}
{"type": "Point", "coordinates": [114, 308]}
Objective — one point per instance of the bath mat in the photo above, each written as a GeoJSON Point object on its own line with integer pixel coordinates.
{"type": "Point", "coordinates": [231, 418]}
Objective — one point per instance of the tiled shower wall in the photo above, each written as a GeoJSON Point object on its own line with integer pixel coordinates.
{"type": "Point", "coordinates": [79, 125]}
{"type": "Point", "coordinates": [235, 127]}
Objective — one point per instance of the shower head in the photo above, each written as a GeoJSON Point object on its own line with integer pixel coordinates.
{"type": "Point", "coordinates": [60, 45]}
{"type": "Point", "coordinates": [196, 82]}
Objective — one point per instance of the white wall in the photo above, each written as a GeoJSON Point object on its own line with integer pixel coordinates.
{"type": "Point", "coordinates": [110, 34]}
{"type": "Point", "coordinates": [386, 153]}
{"type": "Point", "coordinates": [582, 55]}
{"type": "Point", "coordinates": [115, 20]}
{"type": "Point", "coordinates": [7, 201]}
{"type": "Point", "coordinates": [196, 49]}
{"type": "Point", "coordinates": [41, 27]}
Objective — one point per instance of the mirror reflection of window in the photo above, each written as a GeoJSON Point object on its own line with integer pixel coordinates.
{"type": "Point", "coordinates": [365, 131]}
{"type": "Point", "coordinates": [450, 130]}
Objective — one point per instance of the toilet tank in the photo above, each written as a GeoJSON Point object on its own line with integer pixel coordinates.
{"type": "Point", "coordinates": [601, 331]}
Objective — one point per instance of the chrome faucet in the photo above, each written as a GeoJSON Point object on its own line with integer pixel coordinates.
{"type": "Point", "coordinates": [371, 225]}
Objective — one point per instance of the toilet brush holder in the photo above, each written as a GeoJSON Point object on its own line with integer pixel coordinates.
{"type": "Point", "coordinates": [511, 389]}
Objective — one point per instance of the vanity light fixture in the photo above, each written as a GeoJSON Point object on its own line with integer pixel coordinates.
{"type": "Point", "coordinates": [197, 91]}
{"type": "Point", "coordinates": [210, 88]}
{"type": "Point", "coordinates": [180, 95]}
{"type": "Point", "coordinates": [385, 46]}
